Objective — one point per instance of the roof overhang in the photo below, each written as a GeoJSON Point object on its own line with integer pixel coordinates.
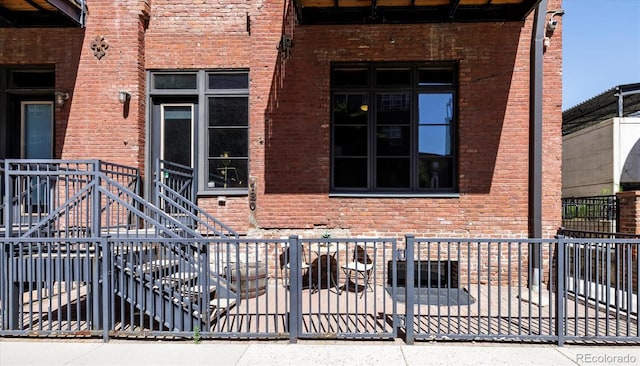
{"type": "Point", "coordinates": [411, 11]}
{"type": "Point", "coordinates": [42, 13]}
{"type": "Point", "coordinates": [619, 101]}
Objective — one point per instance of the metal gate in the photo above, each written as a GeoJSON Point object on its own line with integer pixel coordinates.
{"type": "Point", "coordinates": [343, 288]}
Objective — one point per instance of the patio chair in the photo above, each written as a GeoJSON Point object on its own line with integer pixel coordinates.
{"type": "Point", "coordinates": [360, 267]}
{"type": "Point", "coordinates": [285, 263]}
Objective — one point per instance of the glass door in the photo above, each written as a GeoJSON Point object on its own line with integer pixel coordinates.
{"type": "Point", "coordinates": [36, 143]}
{"type": "Point", "coordinates": [37, 130]}
{"type": "Point", "coordinates": [177, 133]}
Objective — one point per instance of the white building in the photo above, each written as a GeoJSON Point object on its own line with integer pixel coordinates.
{"type": "Point", "coordinates": [601, 144]}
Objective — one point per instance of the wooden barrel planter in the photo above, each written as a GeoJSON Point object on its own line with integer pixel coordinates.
{"type": "Point", "coordinates": [248, 280]}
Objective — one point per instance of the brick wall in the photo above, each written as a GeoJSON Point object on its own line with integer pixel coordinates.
{"type": "Point", "coordinates": [493, 132]}
{"type": "Point", "coordinates": [290, 105]}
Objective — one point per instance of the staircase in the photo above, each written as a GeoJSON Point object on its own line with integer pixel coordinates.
{"type": "Point", "coordinates": [160, 257]}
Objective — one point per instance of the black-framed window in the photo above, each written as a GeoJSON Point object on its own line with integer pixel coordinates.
{"type": "Point", "coordinates": [220, 103]}
{"type": "Point", "coordinates": [394, 128]}
{"type": "Point", "coordinates": [227, 136]}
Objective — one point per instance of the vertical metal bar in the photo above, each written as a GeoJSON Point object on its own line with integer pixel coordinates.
{"type": "Point", "coordinates": [560, 290]}
{"type": "Point", "coordinates": [409, 289]}
{"type": "Point", "coordinates": [519, 288]}
{"type": "Point", "coordinates": [8, 201]}
{"type": "Point", "coordinates": [489, 275]}
{"type": "Point", "coordinates": [394, 284]}
{"type": "Point", "coordinates": [628, 277]}
{"type": "Point", "coordinates": [295, 307]}
{"type": "Point", "coordinates": [637, 280]}
{"type": "Point", "coordinates": [438, 277]}
{"type": "Point", "coordinates": [599, 282]}
{"type": "Point", "coordinates": [40, 280]}
{"type": "Point", "coordinates": [15, 268]}
{"type": "Point", "coordinates": [607, 292]}
{"type": "Point", "coordinates": [499, 287]}
{"type": "Point", "coordinates": [509, 286]}
{"type": "Point", "coordinates": [469, 274]}
{"type": "Point", "coordinates": [479, 295]}
{"type": "Point", "coordinates": [448, 286]}
{"type": "Point", "coordinates": [618, 285]}
{"type": "Point", "coordinates": [108, 292]}
{"type": "Point", "coordinates": [4, 257]}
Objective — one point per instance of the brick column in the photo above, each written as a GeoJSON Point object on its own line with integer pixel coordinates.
{"type": "Point", "coordinates": [629, 219]}
{"type": "Point", "coordinates": [629, 212]}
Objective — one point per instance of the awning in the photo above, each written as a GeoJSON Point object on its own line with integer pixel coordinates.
{"type": "Point", "coordinates": [42, 13]}
{"type": "Point", "coordinates": [411, 11]}
{"type": "Point", "coordinates": [619, 101]}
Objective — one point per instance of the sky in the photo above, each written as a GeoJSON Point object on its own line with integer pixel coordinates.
{"type": "Point", "coordinates": [601, 47]}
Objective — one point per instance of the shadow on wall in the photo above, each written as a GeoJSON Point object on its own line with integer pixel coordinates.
{"type": "Point", "coordinates": [297, 118]}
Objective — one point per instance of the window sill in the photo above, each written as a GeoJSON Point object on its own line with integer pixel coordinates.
{"type": "Point", "coordinates": [235, 192]}
{"type": "Point", "coordinates": [395, 195]}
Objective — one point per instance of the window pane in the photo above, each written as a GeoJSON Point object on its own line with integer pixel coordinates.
{"type": "Point", "coordinates": [175, 81]}
{"type": "Point", "coordinates": [435, 172]}
{"type": "Point", "coordinates": [434, 140]}
{"type": "Point", "coordinates": [230, 141]}
{"type": "Point", "coordinates": [33, 79]}
{"type": "Point", "coordinates": [435, 108]}
{"type": "Point", "coordinates": [397, 77]}
{"type": "Point", "coordinates": [229, 81]}
{"type": "Point", "coordinates": [229, 111]}
{"type": "Point", "coordinates": [350, 77]}
{"type": "Point", "coordinates": [393, 109]}
{"type": "Point", "coordinates": [350, 173]}
{"type": "Point", "coordinates": [177, 134]}
{"type": "Point", "coordinates": [38, 133]}
{"type": "Point", "coordinates": [435, 77]}
{"type": "Point", "coordinates": [227, 173]}
{"type": "Point", "coordinates": [392, 141]}
{"type": "Point", "coordinates": [350, 109]}
{"type": "Point", "coordinates": [350, 141]}
{"type": "Point", "coordinates": [392, 172]}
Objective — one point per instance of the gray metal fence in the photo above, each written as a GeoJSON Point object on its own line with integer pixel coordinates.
{"type": "Point", "coordinates": [82, 254]}
{"type": "Point", "coordinates": [291, 288]}
{"type": "Point", "coordinates": [599, 279]}
{"type": "Point", "coordinates": [480, 289]}
{"type": "Point", "coordinates": [593, 213]}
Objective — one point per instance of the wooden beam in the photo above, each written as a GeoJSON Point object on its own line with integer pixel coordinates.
{"type": "Point", "coordinates": [35, 5]}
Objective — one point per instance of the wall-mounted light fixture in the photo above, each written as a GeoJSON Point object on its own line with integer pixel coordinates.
{"type": "Point", "coordinates": [60, 97]}
{"type": "Point", "coordinates": [124, 96]}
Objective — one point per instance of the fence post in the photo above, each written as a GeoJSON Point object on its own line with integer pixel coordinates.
{"type": "Point", "coordinates": [560, 290]}
{"type": "Point", "coordinates": [107, 291]}
{"type": "Point", "coordinates": [295, 307]}
{"type": "Point", "coordinates": [409, 288]}
{"type": "Point", "coordinates": [96, 203]}
{"type": "Point", "coordinates": [95, 291]}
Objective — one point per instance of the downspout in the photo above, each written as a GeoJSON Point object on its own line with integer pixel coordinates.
{"type": "Point", "coordinates": [535, 142]}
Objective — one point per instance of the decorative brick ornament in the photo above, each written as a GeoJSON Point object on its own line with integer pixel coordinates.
{"type": "Point", "coordinates": [99, 47]}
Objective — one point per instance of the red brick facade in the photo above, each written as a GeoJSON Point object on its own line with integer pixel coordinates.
{"type": "Point", "coordinates": [289, 131]}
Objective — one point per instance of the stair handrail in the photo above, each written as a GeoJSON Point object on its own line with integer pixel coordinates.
{"type": "Point", "coordinates": [185, 203]}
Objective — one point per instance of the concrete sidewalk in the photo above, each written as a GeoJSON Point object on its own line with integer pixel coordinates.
{"type": "Point", "coordinates": [65, 352]}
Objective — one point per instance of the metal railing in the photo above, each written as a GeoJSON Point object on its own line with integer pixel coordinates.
{"type": "Point", "coordinates": [2, 184]}
{"type": "Point", "coordinates": [55, 197]}
{"type": "Point", "coordinates": [175, 194]}
{"type": "Point", "coordinates": [552, 290]}
{"type": "Point", "coordinates": [480, 289]}
{"type": "Point", "coordinates": [594, 213]}
{"type": "Point", "coordinates": [601, 283]}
